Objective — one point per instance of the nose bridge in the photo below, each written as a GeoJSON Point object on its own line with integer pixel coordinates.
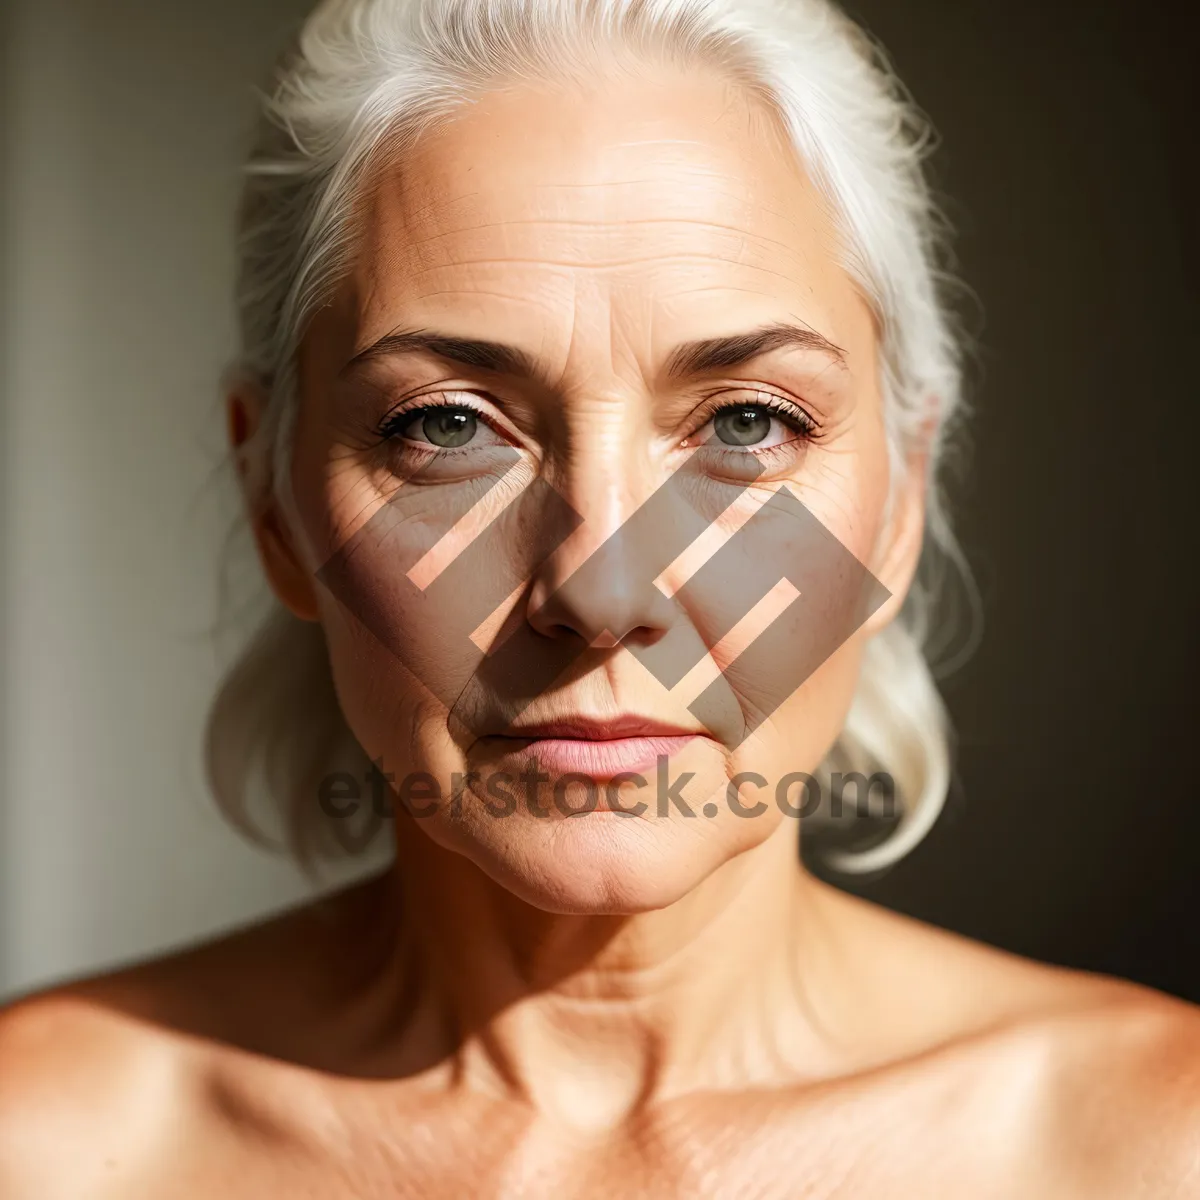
{"type": "Point", "coordinates": [600, 583]}
{"type": "Point", "coordinates": [604, 483]}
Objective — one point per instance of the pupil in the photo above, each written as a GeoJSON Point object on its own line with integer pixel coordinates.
{"type": "Point", "coordinates": [742, 426]}
{"type": "Point", "coordinates": [449, 427]}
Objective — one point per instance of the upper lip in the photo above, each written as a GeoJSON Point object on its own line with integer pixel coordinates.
{"type": "Point", "coordinates": [601, 729]}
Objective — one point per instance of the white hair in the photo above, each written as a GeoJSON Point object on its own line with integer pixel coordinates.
{"type": "Point", "coordinates": [365, 78]}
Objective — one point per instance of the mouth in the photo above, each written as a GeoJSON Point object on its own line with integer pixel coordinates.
{"type": "Point", "coordinates": [596, 748]}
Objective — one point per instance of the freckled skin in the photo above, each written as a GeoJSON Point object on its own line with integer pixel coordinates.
{"type": "Point", "coordinates": [600, 1006]}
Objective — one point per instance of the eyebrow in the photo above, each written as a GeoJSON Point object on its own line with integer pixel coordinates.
{"type": "Point", "coordinates": [689, 358]}
{"type": "Point", "coordinates": [471, 352]}
{"type": "Point", "coordinates": [710, 354]}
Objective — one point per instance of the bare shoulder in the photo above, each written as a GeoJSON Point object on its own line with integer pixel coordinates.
{"type": "Point", "coordinates": [1123, 1090]}
{"type": "Point", "coordinates": [85, 1094]}
{"type": "Point", "coordinates": [1099, 1084]}
{"type": "Point", "coordinates": [103, 1078]}
{"type": "Point", "coordinates": [1096, 1078]}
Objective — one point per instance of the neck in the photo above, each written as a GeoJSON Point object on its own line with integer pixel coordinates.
{"type": "Point", "coordinates": [594, 1016]}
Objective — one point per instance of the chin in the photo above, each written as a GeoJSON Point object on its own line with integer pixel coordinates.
{"type": "Point", "coordinates": [600, 863]}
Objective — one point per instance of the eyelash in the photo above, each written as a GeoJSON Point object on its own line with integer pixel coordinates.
{"type": "Point", "coordinates": [394, 422]}
{"type": "Point", "coordinates": [788, 411]}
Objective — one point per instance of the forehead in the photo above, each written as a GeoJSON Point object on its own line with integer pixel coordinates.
{"type": "Point", "coordinates": [666, 201]}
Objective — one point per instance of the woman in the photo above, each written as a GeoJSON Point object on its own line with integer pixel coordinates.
{"type": "Point", "coordinates": [594, 382]}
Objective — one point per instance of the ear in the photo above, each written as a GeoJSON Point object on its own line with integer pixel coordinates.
{"type": "Point", "coordinates": [245, 410]}
{"type": "Point", "coordinates": [903, 536]}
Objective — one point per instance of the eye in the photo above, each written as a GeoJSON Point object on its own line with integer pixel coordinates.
{"type": "Point", "coordinates": [448, 427]}
{"type": "Point", "coordinates": [765, 422]}
{"type": "Point", "coordinates": [742, 426]}
{"type": "Point", "coordinates": [441, 426]}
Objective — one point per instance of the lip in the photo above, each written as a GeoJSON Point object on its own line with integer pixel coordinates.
{"type": "Point", "coordinates": [597, 748]}
{"type": "Point", "coordinates": [601, 729]}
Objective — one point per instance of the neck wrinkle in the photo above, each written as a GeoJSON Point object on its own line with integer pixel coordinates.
{"type": "Point", "coordinates": [590, 1019]}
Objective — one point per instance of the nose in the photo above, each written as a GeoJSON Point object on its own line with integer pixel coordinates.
{"type": "Point", "coordinates": [599, 586]}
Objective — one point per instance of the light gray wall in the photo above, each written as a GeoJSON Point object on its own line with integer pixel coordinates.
{"type": "Point", "coordinates": [123, 127]}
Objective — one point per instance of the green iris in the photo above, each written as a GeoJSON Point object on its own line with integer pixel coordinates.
{"type": "Point", "coordinates": [449, 427]}
{"type": "Point", "coordinates": [742, 426]}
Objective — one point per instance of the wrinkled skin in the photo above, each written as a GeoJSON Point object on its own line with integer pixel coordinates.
{"type": "Point", "coordinates": [597, 256]}
{"type": "Point", "coordinates": [597, 1005]}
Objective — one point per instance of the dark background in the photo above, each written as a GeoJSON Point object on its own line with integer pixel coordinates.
{"type": "Point", "coordinates": [1068, 152]}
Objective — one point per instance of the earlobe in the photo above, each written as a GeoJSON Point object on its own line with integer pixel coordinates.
{"type": "Point", "coordinates": [282, 565]}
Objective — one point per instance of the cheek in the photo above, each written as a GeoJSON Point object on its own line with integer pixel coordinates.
{"type": "Point", "coordinates": [414, 594]}
{"type": "Point", "coordinates": [383, 703]}
{"type": "Point", "coordinates": [806, 725]}
{"type": "Point", "coordinates": [801, 676]}
{"type": "Point", "coordinates": [404, 647]}
{"type": "Point", "coordinates": [394, 669]}
{"type": "Point", "coordinates": [847, 487]}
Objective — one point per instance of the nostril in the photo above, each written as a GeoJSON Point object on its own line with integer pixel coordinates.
{"type": "Point", "coordinates": [604, 594]}
{"type": "Point", "coordinates": [604, 612]}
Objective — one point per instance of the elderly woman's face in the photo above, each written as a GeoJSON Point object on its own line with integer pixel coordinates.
{"type": "Point", "coordinates": [553, 324]}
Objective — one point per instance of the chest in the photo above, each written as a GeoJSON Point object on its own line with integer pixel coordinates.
{"type": "Point", "coordinates": [747, 1146]}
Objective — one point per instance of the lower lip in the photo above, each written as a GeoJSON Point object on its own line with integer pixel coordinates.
{"type": "Point", "coordinates": [599, 760]}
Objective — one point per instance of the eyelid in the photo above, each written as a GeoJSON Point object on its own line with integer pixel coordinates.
{"type": "Point", "coordinates": [781, 406]}
{"type": "Point", "coordinates": [777, 404]}
{"type": "Point", "coordinates": [393, 422]}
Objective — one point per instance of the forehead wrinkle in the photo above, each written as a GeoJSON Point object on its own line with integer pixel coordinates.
{"type": "Point", "coordinates": [729, 184]}
{"type": "Point", "coordinates": [642, 181]}
{"type": "Point", "coordinates": [646, 247]}
{"type": "Point", "coordinates": [720, 183]}
{"type": "Point", "coordinates": [606, 228]}
{"type": "Point", "coordinates": [430, 235]}
{"type": "Point", "coordinates": [623, 329]}
{"type": "Point", "coordinates": [567, 355]}
{"type": "Point", "coordinates": [764, 317]}
{"type": "Point", "coordinates": [664, 267]}
{"type": "Point", "coordinates": [505, 297]}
